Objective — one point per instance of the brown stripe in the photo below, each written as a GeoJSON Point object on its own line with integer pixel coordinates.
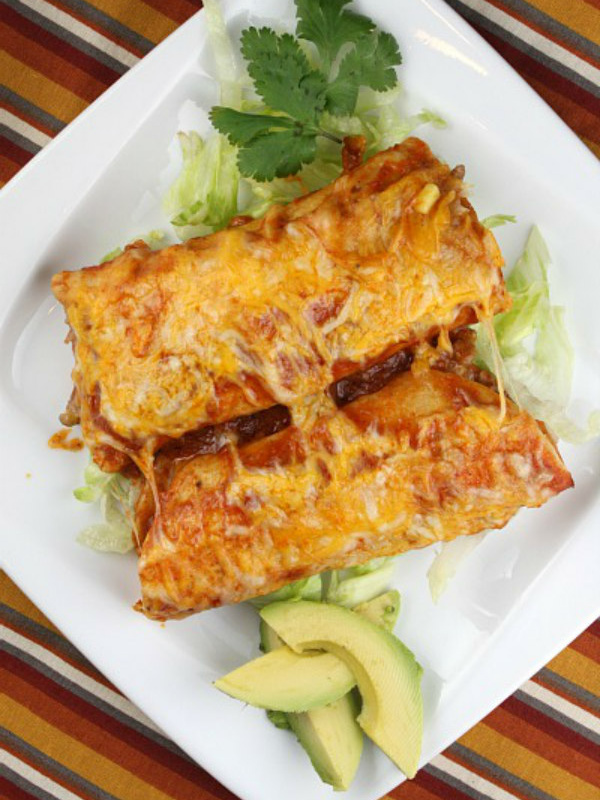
{"type": "Point", "coordinates": [137, 16]}
{"type": "Point", "coordinates": [546, 737]}
{"type": "Point", "coordinates": [8, 168]}
{"type": "Point", "coordinates": [128, 43]}
{"type": "Point", "coordinates": [488, 771]}
{"type": "Point", "coordinates": [59, 646]}
{"type": "Point", "coordinates": [14, 152]}
{"type": "Point", "coordinates": [40, 766]}
{"type": "Point", "coordinates": [9, 791]}
{"type": "Point", "coordinates": [57, 59]}
{"type": "Point", "coordinates": [573, 692]}
{"type": "Point", "coordinates": [78, 756]}
{"type": "Point", "coordinates": [166, 771]}
{"type": "Point", "coordinates": [526, 764]}
{"type": "Point", "coordinates": [18, 112]}
{"type": "Point", "coordinates": [13, 597]}
{"type": "Point", "coordinates": [575, 14]}
{"type": "Point", "coordinates": [578, 669]}
{"type": "Point", "coordinates": [588, 645]}
{"type": "Point", "coordinates": [177, 10]}
{"type": "Point", "coordinates": [532, 70]}
{"type": "Point", "coordinates": [548, 33]}
{"type": "Point", "coordinates": [434, 787]}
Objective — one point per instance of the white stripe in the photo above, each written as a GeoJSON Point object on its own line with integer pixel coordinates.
{"type": "Point", "coordinates": [82, 30]}
{"type": "Point", "coordinates": [79, 678]}
{"type": "Point", "coordinates": [471, 779]}
{"type": "Point", "coordinates": [23, 128]}
{"type": "Point", "coordinates": [549, 48]}
{"type": "Point", "coordinates": [565, 707]}
{"type": "Point", "coordinates": [36, 778]}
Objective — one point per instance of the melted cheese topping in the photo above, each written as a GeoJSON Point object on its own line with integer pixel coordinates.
{"type": "Point", "coordinates": [277, 309]}
{"type": "Point", "coordinates": [423, 459]}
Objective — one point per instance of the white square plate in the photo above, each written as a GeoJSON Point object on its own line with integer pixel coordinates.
{"type": "Point", "coordinates": [524, 593]}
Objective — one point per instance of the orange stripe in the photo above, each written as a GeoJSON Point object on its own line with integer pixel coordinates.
{"type": "Point", "coordinates": [137, 16]}
{"type": "Point", "coordinates": [578, 15]}
{"type": "Point", "coordinates": [122, 42]}
{"type": "Point", "coordinates": [553, 687]}
{"type": "Point", "coordinates": [35, 123]}
{"type": "Point", "coordinates": [531, 736]}
{"type": "Point", "coordinates": [177, 10]}
{"type": "Point", "coordinates": [12, 596]}
{"type": "Point", "coordinates": [577, 668]}
{"type": "Point", "coordinates": [588, 645]}
{"type": "Point", "coordinates": [57, 69]}
{"type": "Point", "coordinates": [525, 764]}
{"type": "Point", "coordinates": [545, 32]}
{"type": "Point", "coordinates": [91, 735]}
{"type": "Point", "coordinates": [81, 758]}
{"type": "Point", "coordinates": [40, 90]}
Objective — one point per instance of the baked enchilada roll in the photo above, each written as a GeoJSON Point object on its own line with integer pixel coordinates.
{"type": "Point", "coordinates": [276, 309]}
{"type": "Point", "coordinates": [426, 458]}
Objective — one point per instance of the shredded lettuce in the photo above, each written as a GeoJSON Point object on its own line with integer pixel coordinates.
{"type": "Point", "coordinates": [306, 589]}
{"type": "Point", "coordinates": [116, 497]}
{"type": "Point", "coordinates": [350, 588]}
{"type": "Point", "coordinates": [448, 560]}
{"type": "Point", "coordinates": [154, 240]}
{"type": "Point", "coordinates": [537, 355]}
{"type": "Point", "coordinates": [204, 196]}
{"type": "Point", "coordinates": [495, 220]}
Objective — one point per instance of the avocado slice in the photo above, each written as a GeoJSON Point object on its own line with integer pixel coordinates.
{"type": "Point", "coordinates": [382, 610]}
{"type": "Point", "coordinates": [281, 681]}
{"type": "Point", "coordinates": [330, 735]}
{"type": "Point", "coordinates": [387, 674]}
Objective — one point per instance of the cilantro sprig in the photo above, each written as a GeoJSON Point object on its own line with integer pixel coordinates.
{"type": "Point", "coordinates": [351, 53]}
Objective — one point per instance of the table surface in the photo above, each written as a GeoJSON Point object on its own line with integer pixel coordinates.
{"type": "Point", "coordinates": [66, 732]}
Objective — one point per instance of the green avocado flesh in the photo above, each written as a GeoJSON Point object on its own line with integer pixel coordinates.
{"type": "Point", "coordinates": [387, 674]}
{"type": "Point", "coordinates": [382, 610]}
{"type": "Point", "coordinates": [332, 739]}
{"type": "Point", "coordinates": [281, 681]}
{"type": "Point", "coordinates": [330, 734]}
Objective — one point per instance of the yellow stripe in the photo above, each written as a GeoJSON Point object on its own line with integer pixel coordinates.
{"type": "Point", "coordinates": [12, 596]}
{"type": "Point", "coordinates": [577, 15]}
{"type": "Point", "coordinates": [578, 669]}
{"type": "Point", "coordinates": [75, 755]}
{"type": "Point", "coordinates": [527, 765]}
{"type": "Point", "coordinates": [139, 17]}
{"type": "Point", "coordinates": [39, 90]}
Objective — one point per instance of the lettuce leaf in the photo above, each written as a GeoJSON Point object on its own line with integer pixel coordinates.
{"type": "Point", "coordinates": [537, 355]}
{"type": "Point", "coordinates": [116, 496]}
{"type": "Point", "coordinates": [204, 197]}
{"type": "Point", "coordinates": [306, 589]}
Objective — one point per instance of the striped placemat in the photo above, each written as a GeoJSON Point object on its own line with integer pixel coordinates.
{"type": "Point", "coordinates": [66, 732]}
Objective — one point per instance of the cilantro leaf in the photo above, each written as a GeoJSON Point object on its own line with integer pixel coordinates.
{"type": "Point", "coordinates": [329, 26]}
{"type": "Point", "coordinates": [370, 63]}
{"type": "Point", "coordinates": [240, 127]}
{"type": "Point", "coordinates": [282, 75]}
{"type": "Point", "coordinates": [277, 154]}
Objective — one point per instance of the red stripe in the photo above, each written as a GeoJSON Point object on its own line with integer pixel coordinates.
{"type": "Point", "coordinates": [26, 118]}
{"type": "Point", "coordinates": [9, 791]}
{"type": "Point", "coordinates": [14, 152]}
{"type": "Point", "coordinates": [90, 23]}
{"type": "Point", "coordinates": [41, 39]}
{"type": "Point", "coordinates": [42, 768]}
{"type": "Point", "coordinates": [563, 692]}
{"type": "Point", "coordinates": [177, 10]}
{"type": "Point", "coordinates": [528, 66]}
{"type": "Point", "coordinates": [437, 787]}
{"type": "Point", "coordinates": [545, 32]}
{"type": "Point", "coordinates": [486, 774]}
{"type": "Point", "coordinates": [537, 719]}
{"type": "Point", "coordinates": [95, 723]}
{"type": "Point", "coordinates": [588, 646]}
{"type": "Point", "coordinates": [81, 664]}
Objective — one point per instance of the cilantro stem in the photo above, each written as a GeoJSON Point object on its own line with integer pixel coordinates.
{"type": "Point", "coordinates": [329, 136]}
